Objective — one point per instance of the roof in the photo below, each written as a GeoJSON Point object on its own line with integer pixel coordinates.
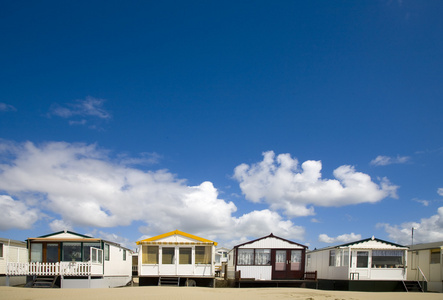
{"type": "Point", "coordinates": [70, 236]}
{"type": "Point", "coordinates": [66, 232]}
{"type": "Point", "coordinates": [426, 246]}
{"type": "Point", "coordinates": [176, 232]}
{"type": "Point", "coordinates": [271, 236]}
{"type": "Point", "coordinates": [10, 242]}
{"type": "Point", "coordinates": [362, 242]}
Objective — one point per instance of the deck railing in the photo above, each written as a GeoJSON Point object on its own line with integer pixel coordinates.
{"type": "Point", "coordinates": [63, 268]}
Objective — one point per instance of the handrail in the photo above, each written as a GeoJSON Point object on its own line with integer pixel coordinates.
{"type": "Point", "coordinates": [422, 285]}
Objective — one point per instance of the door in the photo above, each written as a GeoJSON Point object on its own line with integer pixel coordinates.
{"type": "Point", "coordinates": [287, 264]}
{"type": "Point", "coordinates": [360, 265]}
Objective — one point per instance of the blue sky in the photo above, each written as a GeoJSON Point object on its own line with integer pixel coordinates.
{"type": "Point", "coordinates": [318, 121]}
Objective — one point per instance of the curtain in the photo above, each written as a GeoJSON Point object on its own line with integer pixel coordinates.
{"type": "Point", "coordinates": [262, 256]}
{"type": "Point", "coordinates": [245, 257]}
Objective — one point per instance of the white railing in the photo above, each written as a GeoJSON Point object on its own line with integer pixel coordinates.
{"type": "Point", "coordinates": [50, 269]}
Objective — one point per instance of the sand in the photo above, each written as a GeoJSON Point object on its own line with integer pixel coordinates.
{"type": "Point", "coordinates": [197, 293]}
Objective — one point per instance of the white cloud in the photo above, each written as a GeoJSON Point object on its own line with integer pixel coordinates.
{"type": "Point", "coordinates": [284, 186]}
{"type": "Point", "coordinates": [426, 231]}
{"type": "Point", "coordinates": [60, 225]}
{"type": "Point", "coordinates": [341, 239]}
{"type": "Point", "coordinates": [382, 160]}
{"type": "Point", "coordinates": [424, 202]}
{"type": "Point", "coordinates": [16, 214]}
{"type": "Point", "coordinates": [440, 191]}
{"type": "Point", "coordinates": [90, 107]}
{"type": "Point", "coordinates": [6, 107]}
{"type": "Point", "coordinates": [80, 185]}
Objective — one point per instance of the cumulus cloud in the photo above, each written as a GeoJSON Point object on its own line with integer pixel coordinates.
{"type": "Point", "coordinates": [80, 185]}
{"type": "Point", "coordinates": [280, 182]}
{"type": "Point", "coordinates": [16, 214]}
{"type": "Point", "coordinates": [6, 107]}
{"type": "Point", "coordinates": [440, 191]}
{"type": "Point", "coordinates": [382, 160]}
{"type": "Point", "coordinates": [341, 239]}
{"type": "Point", "coordinates": [427, 230]}
{"type": "Point", "coordinates": [79, 110]}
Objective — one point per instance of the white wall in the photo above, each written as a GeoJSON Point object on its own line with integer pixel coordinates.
{"type": "Point", "coordinates": [12, 254]}
{"type": "Point", "coordinates": [116, 265]}
{"type": "Point", "coordinates": [257, 272]}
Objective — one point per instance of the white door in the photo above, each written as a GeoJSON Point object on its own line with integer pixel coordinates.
{"type": "Point", "coordinates": [360, 265]}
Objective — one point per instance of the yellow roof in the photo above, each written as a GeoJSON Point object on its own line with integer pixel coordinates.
{"type": "Point", "coordinates": [178, 232]}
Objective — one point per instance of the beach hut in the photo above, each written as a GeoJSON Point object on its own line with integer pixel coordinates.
{"type": "Point", "coordinates": [426, 265]}
{"type": "Point", "coordinates": [221, 260]}
{"type": "Point", "coordinates": [268, 258]}
{"type": "Point", "coordinates": [370, 263]}
{"type": "Point", "coordinates": [12, 251]}
{"type": "Point", "coordinates": [177, 258]}
{"type": "Point", "coordinates": [70, 260]}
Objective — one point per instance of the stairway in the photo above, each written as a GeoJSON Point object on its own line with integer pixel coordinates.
{"type": "Point", "coordinates": [169, 281]}
{"type": "Point", "coordinates": [412, 286]}
{"type": "Point", "coordinates": [44, 281]}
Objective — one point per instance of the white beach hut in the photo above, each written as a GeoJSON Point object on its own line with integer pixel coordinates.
{"type": "Point", "coordinates": [177, 258]}
{"type": "Point", "coordinates": [71, 260]}
{"type": "Point", "coordinates": [15, 252]}
{"type": "Point", "coordinates": [365, 260]}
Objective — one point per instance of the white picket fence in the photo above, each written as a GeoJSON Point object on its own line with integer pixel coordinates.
{"type": "Point", "coordinates": [50, 269]}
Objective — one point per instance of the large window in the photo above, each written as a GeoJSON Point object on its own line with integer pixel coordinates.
{"type": "Point", "coordinates": [387, 258]}
{"type": "Point", "coordinates": [72, 251]}
{"type": "Point", "coordinates": [168, 255]}
{"type": "Point", "coordinates": [52, 252]}
{"type": "Point", "coordinates": [435, 256]}
{"type": "Point", "coordinates": [245, 257]}
{"type": "Point", "coordinates": [150, 255]}
{"type": "Point", "coordinates": [185, 256]}
{"type": "Point", "coordinates": [262, 257]}
{"type": "Point", "coordinates": [36, 252]}
{"type": "Point", "coordinates": [362, 259]}
{"type": "Point", "coordinates": [203, 254]}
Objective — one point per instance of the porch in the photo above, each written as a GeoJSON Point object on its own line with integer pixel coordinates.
{"type": "Point", "coordinates": [63, 268]}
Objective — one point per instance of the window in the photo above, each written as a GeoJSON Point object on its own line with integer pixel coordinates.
{"type": "Point", "coordinates": [225, 254]}
{"type": "Point", "coordinates": [203, 254]}
{"type": "Point", "coordinates": [245, 257]}
{"type": "Point", "coordinates": [36, 252]}
{"type": "Point", "coordinates": [1, 250]}
{"type": "Point", "coordinates": [185, 256]}
{"type": "Point", "coordinates": [308, 260]}
{"type": "Point", "coordinates": [87, 250]}
{"type": "Point", "coordinates": [263, 257]}
{"type": "Point", "coordinates": [107, 251]}
{"type": "Point", "coordinates": [342, 258]}
{"type": "Point", "coordinates": [96, 255]}
{"type": "Point", "coordinates": [168, 255]}
{"type": "Point", "coordinates": [387, 258]}
{"type": "Point", "coordinates": [52, 252]}
{"type": "Point", "coordinates": [72, 251]}
{"type": "Point", "coordinates": [435, 256]}
{"type": "Point", "coordinates": [150, 255]}
{"type": "Point", "coordinates": [362, 259]}
{"type": "Point", "coordinates": [124, 254]}
{"type": "Point", "coordinates": [295, 260]}
{"type": "Point", "coordinates": [332, 258]}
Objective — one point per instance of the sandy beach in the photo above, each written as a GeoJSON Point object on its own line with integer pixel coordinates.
{"type": "Point", "coordinates": [196, 293]}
